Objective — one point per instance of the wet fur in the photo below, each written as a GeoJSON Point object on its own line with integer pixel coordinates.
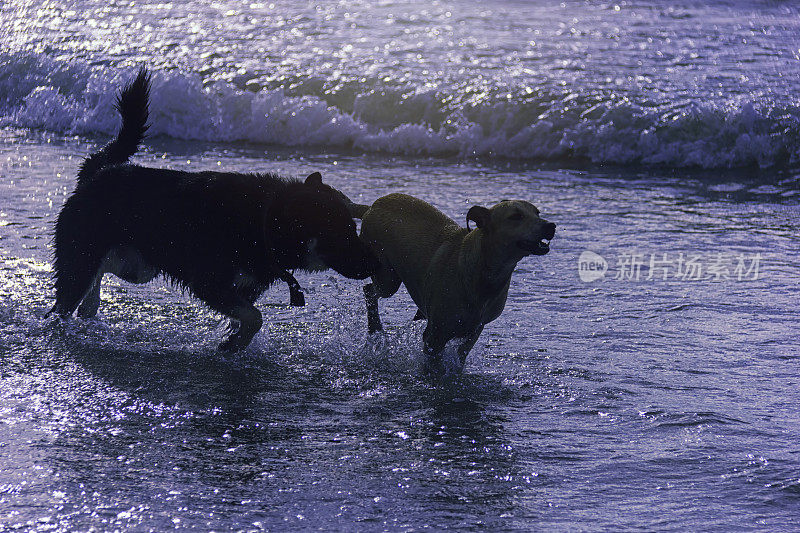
{"type": "Point", "coordinates": [226, 237]}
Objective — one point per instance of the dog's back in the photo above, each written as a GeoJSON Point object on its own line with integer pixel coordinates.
{"type": "Point", "coordinates": [398, 227]}
{"type": "Point", "coordinates": [188, 225]}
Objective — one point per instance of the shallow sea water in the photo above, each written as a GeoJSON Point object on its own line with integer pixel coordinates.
{"type": "Point", "coordinates": [616, 404]}
{"type": "Point", "coordinates": [612, 404]}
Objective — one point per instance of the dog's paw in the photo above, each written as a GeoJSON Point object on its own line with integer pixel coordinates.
{"type": "Point", "coordinates": [233, 343]}
{"type": "Point", "coordinates": [297, 299]}
{"type": "Point", "coordinates": [376, 341]}
{"type": "Point", "coordinates": [433, 368]}
{"type": "Point", "coordinates": [58, 310]}
{"type": "Point", "coordinates": [238, 340]}
{"type": "Point", "coordinates": [87, 312]}
{"type": "Point", "coordinates": [374, 325]}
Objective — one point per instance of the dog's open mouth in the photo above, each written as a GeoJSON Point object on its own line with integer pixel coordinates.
{"type": "Point", "coordinates": [535, 247]}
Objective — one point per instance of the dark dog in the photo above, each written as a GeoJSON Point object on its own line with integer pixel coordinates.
{"type": "Point", "coordinates": [224, 236]}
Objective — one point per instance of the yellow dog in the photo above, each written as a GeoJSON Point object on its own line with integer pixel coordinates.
{"type": "Point", "coordinates": [458, 278]}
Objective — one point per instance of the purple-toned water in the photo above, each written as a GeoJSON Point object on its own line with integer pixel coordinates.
{"type": "Point", "coordinates": [654, 134]}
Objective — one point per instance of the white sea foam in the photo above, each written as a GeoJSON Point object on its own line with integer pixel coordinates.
{"type": "Point", "coordinates": [70, 97]}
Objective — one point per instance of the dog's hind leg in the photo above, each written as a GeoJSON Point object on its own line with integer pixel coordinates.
{"type": "Point", "coordinates": [91, 302]}
{"type": "Point", "coordinates": [79, 250]}
{"type": "Point", "coordinates": [74, 279]}
{"type": "Point", "coordinates": [77, 263]}
{"type": "Point", "coordinates": [235, 307]}
{"type": "Point", "coordinates": [124, 262]}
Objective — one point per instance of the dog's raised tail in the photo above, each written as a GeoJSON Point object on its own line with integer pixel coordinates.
{"type": "Point", "coordinates": [132, 104]}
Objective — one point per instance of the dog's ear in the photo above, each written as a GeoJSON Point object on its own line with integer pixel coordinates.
{"type": "Point", "coordinates": [480, 215]}
{"type": "Point", "coordinates": [314, 179]}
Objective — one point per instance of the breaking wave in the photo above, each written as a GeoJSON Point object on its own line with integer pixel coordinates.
{"type": "Point", "coordinates": [39, 92]}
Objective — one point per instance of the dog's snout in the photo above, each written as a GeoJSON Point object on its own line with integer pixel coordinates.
{"type": "Point", "coordinates": [549, 230]}
{"type": "Point", "coordinates": [367, 268]}
{"type": "Point", "coordinates": [359, 263]}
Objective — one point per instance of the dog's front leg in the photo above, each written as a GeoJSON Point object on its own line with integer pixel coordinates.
{"type": "Point", "coordinates": [250, 321]}
{"type": "Point", "coordinates": [238, 309]}
{"type": "Point", "coordinates": [385, 283]}
{"type": "Point", "coordinates": [373, 317]}
{"type": "Point", "coordinates": [466, 346]}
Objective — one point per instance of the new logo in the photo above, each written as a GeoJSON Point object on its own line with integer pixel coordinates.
{"type": "Point", "coordinates": [591, 266]}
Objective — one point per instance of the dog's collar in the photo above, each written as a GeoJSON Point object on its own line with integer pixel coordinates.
{"type": "Point", "coordinates": [296, 297]}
